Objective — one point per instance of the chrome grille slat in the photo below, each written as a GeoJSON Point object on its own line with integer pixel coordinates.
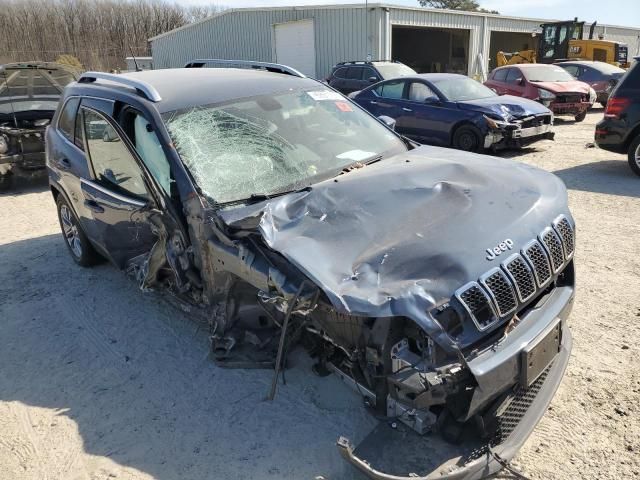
{"type": "Point", "coordinates": [553, 245]}
{"type": "Point", "coordinates": [522, 277]}
{"type": "Point", "coordinates": [501, 291]}
{"type": "Point", "coordinates": [539, 261]}
{"type": "Point", "coordinates": [478, 304]}
{"type": "Point", "coordinates": [564, 230]}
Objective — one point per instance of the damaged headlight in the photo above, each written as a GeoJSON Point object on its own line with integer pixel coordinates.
{"type": "Point", "coordinates": [4, 145]}
{"type": "Point", "coordinates": [545, 97]}
{"type": "Point", "coordinates": [495, 124]}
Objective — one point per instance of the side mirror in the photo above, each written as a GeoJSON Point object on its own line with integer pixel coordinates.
{"type": "Point", "coordinates": [520, 81]}
{"type": "Point", "coordinates": [431, 100]}
{"type": "Point", "coordinates": [372, 79]}
{"type": "Point", "coordinates": [389, 122]}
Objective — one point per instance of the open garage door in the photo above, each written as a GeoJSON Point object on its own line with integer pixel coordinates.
{"type": "Point", "coordinates": [295, 46]}
{"type": "Point", "coordinates": [509, 42]}
{"type": "Point", "coordinates": [428, 49]}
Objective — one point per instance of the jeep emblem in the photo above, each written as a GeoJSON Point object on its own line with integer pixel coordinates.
{"type": "Point", "coordinates": [492, 253]}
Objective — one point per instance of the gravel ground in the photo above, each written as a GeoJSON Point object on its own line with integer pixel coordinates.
{"type": "Point", "coordinates": [98, 380]}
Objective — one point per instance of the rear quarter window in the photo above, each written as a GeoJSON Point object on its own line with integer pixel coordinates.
{"type": "Point", "coordinates": [500, 75]}
{"type": "Point", "coordinates": [67, 120]}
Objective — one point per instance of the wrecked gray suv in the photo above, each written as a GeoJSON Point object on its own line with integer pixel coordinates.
{"type": "Point", "coordinates": [435, 283]}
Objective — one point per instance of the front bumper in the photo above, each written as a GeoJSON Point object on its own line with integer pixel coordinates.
{"type": "Point", "coordinates": [569, 108]}
{"type": "Point", "coordinates": [527, 408]}
{"type": "Point", "coordinates": [519, 137]}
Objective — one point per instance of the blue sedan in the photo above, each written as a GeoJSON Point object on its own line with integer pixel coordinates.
{"type": "Point", "coordinates": [455, 111]}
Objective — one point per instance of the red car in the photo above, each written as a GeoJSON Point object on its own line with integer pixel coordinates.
{"type": "Point", "coordinates": [548, 84]}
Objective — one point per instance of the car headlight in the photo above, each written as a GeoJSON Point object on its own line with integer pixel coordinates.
{"type": "Point", "coordinates": [4, 145]}
{"type": "Point", "coordinates": [495, 124]}
{"type": "Point", "coordinates": [545, 94]}
{"type": "Point", "coordinates": [592, 95]}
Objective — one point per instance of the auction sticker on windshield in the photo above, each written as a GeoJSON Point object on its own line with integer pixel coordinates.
{"type": "Point", "coordinates": [325, 95]}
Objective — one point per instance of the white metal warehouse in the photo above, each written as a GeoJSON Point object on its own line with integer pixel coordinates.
{"type": "Point", "coordinates": [312, 39]}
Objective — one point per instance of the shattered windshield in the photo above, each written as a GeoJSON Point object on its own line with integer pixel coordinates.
{"type": "Point", "coordinates": [269, 144]}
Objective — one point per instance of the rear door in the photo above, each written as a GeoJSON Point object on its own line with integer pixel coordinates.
{"type": "Point", "coordinates": [118, 194]}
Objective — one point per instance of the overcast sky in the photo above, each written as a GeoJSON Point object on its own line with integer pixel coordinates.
{"type": "Point", "coordinates": [614, 12]}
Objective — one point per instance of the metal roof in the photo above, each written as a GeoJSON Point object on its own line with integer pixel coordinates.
{"type": "Point", "coordinates": [370, 6]}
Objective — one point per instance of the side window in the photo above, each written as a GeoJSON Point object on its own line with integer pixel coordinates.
{"type": "Point", "coordinates": [67, 119]}
{"type": "Point", "coordinates": [340, 73]}
{"type": "Point", "coordinates": [501, 75]}
{"type": "Point", "coordinates": [572, 69]}
{"type": "Point", "coordinates": [513, 76]}
{"type": "Point", "coordinates": [145, 140]}
{"type": "Point", "coordinates": [354, 73]}
{"type": "Point", "coordinates": [419, 92]}
{"type": "Point", "coordinates": [392, 89]}
{"type": "Point", "coordinates": [113, 164]}
{"type": "Point", "coordinates": [368, 73]}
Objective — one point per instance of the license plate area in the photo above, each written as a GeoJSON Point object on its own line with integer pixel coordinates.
{"type": "Point", "coordinates": [537, 356]}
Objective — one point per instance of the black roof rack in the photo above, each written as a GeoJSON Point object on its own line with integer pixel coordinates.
{"type": "Point", "coordinates": [270, 67]}
{"type": "Point", "coordinates": [142, 88]}
{"type": "Point", "coordinates": [365, 62]}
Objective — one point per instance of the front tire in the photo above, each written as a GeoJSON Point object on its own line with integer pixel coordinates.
{"type": "Point", "coordinates": [77, 242]}
{"type": "Point", "coordinates": [580, 117]}
{"type": "Point", "coordinates": [634, 155]}
{"type": "Point", "coordinates": [468, 138]}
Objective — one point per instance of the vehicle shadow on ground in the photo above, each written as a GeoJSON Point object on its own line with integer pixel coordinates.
{"type": "Point", "coordinates": [22, 185]}
{"type": "Point", "coordinates": [135, 377]}
{"type": "Point", "coordinates": [613, 177]}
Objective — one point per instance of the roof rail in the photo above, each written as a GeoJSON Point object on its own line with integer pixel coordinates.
{"type": "Point", "coordinates": [143, 88]}
{"type": "Point", "coordinates": [365, 62]}
{"type": "Point", "coordinates": [270, 67]}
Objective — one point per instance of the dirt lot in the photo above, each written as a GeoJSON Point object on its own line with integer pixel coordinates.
{"type": "Point", "coordinates": [98, 380]}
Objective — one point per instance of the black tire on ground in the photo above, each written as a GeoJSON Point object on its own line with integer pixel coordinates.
{"type": "Point", "coordinates": [634, 155]}
{"type": "Point", "coordinates": [581, 116]}
{"type": "Point", "coordinates": [6, 180]}
{"type": "Point", "coordinates": [77, 242]}
{"type": "Point", "coordinates": [468, 138]}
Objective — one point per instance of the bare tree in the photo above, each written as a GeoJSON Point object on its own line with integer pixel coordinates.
{"type": "Point", "coordinates": [467, 5]}
{"type": "Point", "coordinates": [98, 33]}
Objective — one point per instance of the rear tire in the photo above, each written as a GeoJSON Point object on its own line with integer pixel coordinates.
{"type": "Point", "coordinates": [77, 242]}
{"type": "Point", "coordinates": [634, 155]}
{"type": "Point", "coordinates": [468, 138]}
{"type": "Point", "coordinates": [581, 116]}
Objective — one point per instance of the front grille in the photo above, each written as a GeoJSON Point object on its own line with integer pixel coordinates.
{"type": "Point", "coordinates": [504, 289]}
{"type": "Point", "coordinates": [537, 121]}
{"type": "Point", "coordinates": [539, 261]}
{"type": "Point", "coordinates": [569, 98]}
{"type": "Point", "coordinates": [522, 276]}
{"type": "Point", "coordinates": [501, 291]}
{"type": "Point", "coordinates": [563, 228]}
{"type": "Point", "coordinates": [478, 305]}
{"type": "Point", "coordinates": [554, 249]}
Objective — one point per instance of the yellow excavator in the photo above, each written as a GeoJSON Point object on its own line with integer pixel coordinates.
{"type": "Point", "coordinates": [563, 41]}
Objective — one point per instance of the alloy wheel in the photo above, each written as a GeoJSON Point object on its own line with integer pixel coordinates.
{"type": "Point", "coordinates": [70, 230]}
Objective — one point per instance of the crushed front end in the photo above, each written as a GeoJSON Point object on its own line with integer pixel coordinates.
{"type": "Point", "coordinates": [519, 132]}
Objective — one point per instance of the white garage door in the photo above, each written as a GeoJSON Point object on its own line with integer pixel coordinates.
{"type": "Point", "coordinates": [295, 46]}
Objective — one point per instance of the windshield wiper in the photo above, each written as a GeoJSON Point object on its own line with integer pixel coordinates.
{"type": "Point", "coordinates": [358, 164]}
{"type": "Point", "coordinates": [261, 197]}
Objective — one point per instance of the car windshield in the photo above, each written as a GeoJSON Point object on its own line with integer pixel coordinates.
{"type": "Point", "coordinates": [26, 89]}
{"type": "Point", "coordinates": [547, 74]}
{"type": "Point", "coordinates": [269, 144]}
{"type": "Point", "coordinates": [459, 89]}
{"type": "Point", "coordinates": [393, 70]}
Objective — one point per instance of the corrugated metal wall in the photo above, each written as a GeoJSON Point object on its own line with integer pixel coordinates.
{"type": "Point", "coordinates": [247, 35]}
{"type": "Point", "coordinates": [339, 34]}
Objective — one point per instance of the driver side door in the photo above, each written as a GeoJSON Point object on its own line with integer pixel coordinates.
{"type": "Point", "coordinates": [117, 194]}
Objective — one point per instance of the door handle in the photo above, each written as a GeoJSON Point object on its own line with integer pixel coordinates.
{"type": "Point", "coordinates": [93, 205]}
{"type": "Point", "coordinates": [64, 164]}
{"type": "Point", "coordinates": [373, 102]}
{"type": "Point", "coordinates": [407, 109]}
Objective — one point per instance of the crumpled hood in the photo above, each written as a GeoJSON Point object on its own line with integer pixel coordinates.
{"type": "Point", "coordinates": [507, 107]}
{"type": "Point", "coordinates": [398, 237]}
{"type": "Point", "coordinates": [563, 87]}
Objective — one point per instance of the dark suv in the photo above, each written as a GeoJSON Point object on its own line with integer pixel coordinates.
{"type": "Point", "coordinates": [619, 130]}
{"type": "Point", "coordinates": [284, 214]}
{"type": "Point", "coordinates": [347, 77]}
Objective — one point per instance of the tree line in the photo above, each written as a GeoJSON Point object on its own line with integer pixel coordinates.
{"type": "Point", "coordinates": [100, 34]}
